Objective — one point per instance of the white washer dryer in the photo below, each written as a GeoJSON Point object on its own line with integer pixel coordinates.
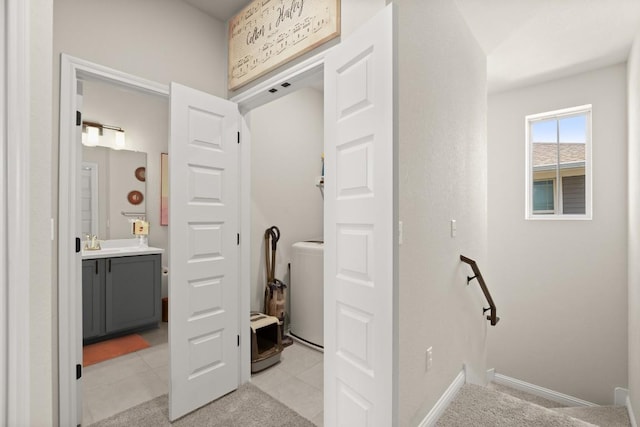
{"type": "Point", "coordinates": [307, 292]}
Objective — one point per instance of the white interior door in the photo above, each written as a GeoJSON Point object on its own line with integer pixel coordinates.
{"type": "Point", "coordinates": [203, 222]}
{"type": "Point", "coordinates": [359, 224]}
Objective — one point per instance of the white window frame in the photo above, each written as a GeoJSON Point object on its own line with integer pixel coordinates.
{"type": "Point", "coordinates": [558, 215]}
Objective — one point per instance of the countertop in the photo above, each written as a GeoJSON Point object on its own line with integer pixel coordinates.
{"type": "Point", "coordinates": [120, 248]}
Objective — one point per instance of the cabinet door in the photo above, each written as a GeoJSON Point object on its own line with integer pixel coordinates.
{"type": "Point", "coordinates": [92, 298]}
{"type": "Point", "coordinates": [132, 292]}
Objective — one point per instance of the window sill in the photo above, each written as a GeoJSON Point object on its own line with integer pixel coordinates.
{"type": "Point", "coordinates": [558, 217]}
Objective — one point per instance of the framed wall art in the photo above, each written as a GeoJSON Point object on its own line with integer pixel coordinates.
{"type": "Point", "coordinates": [267, 34]}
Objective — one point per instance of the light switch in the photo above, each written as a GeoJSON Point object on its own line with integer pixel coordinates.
{"type": "Point", "coordinates": [454, 228]}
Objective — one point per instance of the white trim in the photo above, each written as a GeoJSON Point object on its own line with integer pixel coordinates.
{"type": "Point", "coordinates": [620, 396]}
{"type": "Point", "coordinates": [528, 203]}
{"type": "Point", "coordinates": [555, 396]}
{"type": "Point", "coordinates": [259, 94]}
{"type": "Point", "coordinates": [632, 416]}
{"type": "Point", "coordinates": [445, 400]}
{"type": "Point", "coordinates": [491, 374]}
{"type": "Point", "coordinates": [72, 69]}
{"type": "Point", "coordinates": [15, 216]}
{"type": "Point", "coordinates": [563, 112]}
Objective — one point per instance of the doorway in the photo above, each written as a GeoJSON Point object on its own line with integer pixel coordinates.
{"type": "Point", "coordinates": [287, 143]}
{"type": "Point", "coordinates": [139, 371]}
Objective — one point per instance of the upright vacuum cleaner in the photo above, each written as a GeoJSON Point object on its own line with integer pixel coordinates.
{"type": "Point", "coordinates": [275, 295]}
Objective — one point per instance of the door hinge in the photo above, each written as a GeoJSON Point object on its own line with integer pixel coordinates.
{"type": "Point", "coordinates": [238, 235]}
{"type": "Point", "coordinates": [78, 371]}
{"type": "Point", "coordinates": [238, 340]}
{"type": "Point", "coordinates": [78, 118]}
{"type": "Point", "coordinates": [238, 137]}
{"type": "Point", "coordinates": [78, 245]}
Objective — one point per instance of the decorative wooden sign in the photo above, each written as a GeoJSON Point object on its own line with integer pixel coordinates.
{"type": "Point", "coordinates": [268, 33]}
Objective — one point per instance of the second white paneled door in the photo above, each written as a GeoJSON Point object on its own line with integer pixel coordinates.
{"type": "Point", "coordinates": [360, 245]}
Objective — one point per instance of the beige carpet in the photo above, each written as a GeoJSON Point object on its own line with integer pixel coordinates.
{"type": "Point", "coordinates": [482, 407]}
{"type": "Point", "coordinates": [248, 406]}
{"type": "Point", "coordinates": [541, 401]}
{"type": "Point", "coordinates": [609, 416]}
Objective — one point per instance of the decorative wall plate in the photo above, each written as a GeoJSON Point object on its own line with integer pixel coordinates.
{"type": "Point", "coordinates": [141, 173]}
{"type": "Point", "coordinates": [135, 197]}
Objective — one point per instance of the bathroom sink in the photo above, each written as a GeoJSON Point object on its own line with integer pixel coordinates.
{"type": "Point", "coordinates": [106, 250]}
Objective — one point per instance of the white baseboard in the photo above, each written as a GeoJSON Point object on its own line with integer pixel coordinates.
{"type": "Point", "coordinates": [491, 374]}
{"type": "Point", "coordinates": [620, 396]}
{"type": "Point", "coordinates": [441, 405]}
{"type": "Point", "coordinates": [555, 396]}
{"type": "Point", "coordinates": [632, 417]}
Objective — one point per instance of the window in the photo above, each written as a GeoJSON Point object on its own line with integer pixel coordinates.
{"type": "Point", "coordinates": [559, 164]}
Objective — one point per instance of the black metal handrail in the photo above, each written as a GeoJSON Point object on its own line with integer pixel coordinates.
{"type": "Point", "coordinates": [492, 317]}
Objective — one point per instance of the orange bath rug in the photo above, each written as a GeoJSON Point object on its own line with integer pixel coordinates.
{"type": "Point", "coordinates": [105, 350]}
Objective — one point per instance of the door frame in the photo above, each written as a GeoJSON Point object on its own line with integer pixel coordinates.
{"type": "Point", "coordinates": [248, 100]}
{"type": "Point", "coordinates": [69, 308]}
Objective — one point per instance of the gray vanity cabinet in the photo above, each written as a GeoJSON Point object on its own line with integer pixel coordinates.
{"type": "Point", "coordinates": [120, 294]}
{"type": "Point", "coordinates": [133, 292]}
{"type": "Point", "coordinates": [93, 298]}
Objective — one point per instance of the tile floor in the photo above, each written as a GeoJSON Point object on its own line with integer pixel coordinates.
{"type": "Point", "coordinates": [114, 385]}
{"type": "Point", "coordinates": [297, 381]}
{"type": "Point", "coordinates": [118, 384]}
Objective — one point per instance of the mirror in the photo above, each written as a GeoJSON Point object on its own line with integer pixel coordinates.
{"type": "Point", "coordinates": [112, 182]}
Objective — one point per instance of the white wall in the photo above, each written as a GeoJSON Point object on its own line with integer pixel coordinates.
{"type": "Point", "coordinates": [561, 286]}
{"type": "Point", "coordinates": [287, 140]}
{"type": "Point", "coordinates": [442, 132]}
{"type": "Point", "coordinates": [163, 40]}
{"type": "Point", "coordinates": [145, 119]}
{"type": "Point", "coordinates": [43, 319]}
{"type": "Point", "coordinates": [633, 74]}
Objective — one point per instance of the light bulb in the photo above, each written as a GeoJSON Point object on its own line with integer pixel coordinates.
{"type": "Point", "coordinates": [93, 135]}
{"type": "Point", "coordinates": [120, 141]}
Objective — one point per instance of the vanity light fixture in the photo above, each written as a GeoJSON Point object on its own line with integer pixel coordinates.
{"type": "Point", "coordinates": [95, 130]}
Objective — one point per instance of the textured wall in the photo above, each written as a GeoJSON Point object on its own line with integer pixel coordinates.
{"type": "Point", "coordinates": [442, 160]}
{"type": "Point", "coordinates": [561, 286]}
{"type": "Point", "coordinates": [42, 295]}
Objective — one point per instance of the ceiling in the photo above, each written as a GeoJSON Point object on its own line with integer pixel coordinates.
{"type": "Point", "coordinates": [219, 9]}
{"type": "Point", "coordinates": [529, 41]}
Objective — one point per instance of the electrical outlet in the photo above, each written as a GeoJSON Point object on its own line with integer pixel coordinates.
{"type": "Point", "coordinates": [429, 358]}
